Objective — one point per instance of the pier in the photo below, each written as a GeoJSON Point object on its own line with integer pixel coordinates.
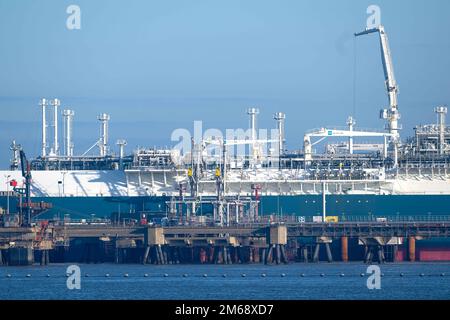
{"type": "Point", "coordinates": [247, 243]}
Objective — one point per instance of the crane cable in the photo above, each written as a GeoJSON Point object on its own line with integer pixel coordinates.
{"type": "Point", "coordinates": [354, 77]}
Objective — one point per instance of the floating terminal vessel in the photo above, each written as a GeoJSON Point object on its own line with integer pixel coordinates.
{"type": "Point", "coordinates": [386, 179]}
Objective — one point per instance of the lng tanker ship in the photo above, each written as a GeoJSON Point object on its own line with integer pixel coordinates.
{"type": "Point", "coordinates": [356, 175]}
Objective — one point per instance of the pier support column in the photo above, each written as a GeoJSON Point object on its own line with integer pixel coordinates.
{"type": "Point", "coordinates": [380, 254]}
{"type": "Point", "coordinates": [316, 253]}
{"type": "Point", "coordinates": [305, 254]}
{"type": "Point", "coordinates": [42, 257]}
{"type": "Point", "coordinates": [116, 255]}
{"type": "Point", "coordinates": [329, 255]}
{"type": "Point", "coordinates": [124, 255]}
{"type": "Point", "coordinates": [344, 249]}
{"type": "Point", "coordinates": [160, 254]}
{"type": "Point", "coordinates": [278, 253]}
{"type": "Point", "coordinates": [269, 255]}
{"type": "Point", "coordinates": [277, 238]}
{"type": "Point", "coordinates": [284, 257]}
{"type": "Point", "coordinates": [225, 255]}
{"type": "Point", "coordinates": [45, 257]}
{"type": "Point", "coordinates": [1, 258]}
{"type": "Point", "coordinates": [229, 258]}
{"type": "Point", "coordinates": [146, 252]}
{"type": "Point", "coordinates": [412, 249]}
{"type": "Point", "coordinates": [164, 254]}
{"type": "Point", "coordinates": [20, 256]}
{"type": "Point", "coordinates": [367, 254]}
{"type": "Point", "coordinates": [211, 252]}
{"type": "Point", "coordinates": [256, 257]}
{"type": "Point", "coordinates": [218, 256]}
{"type": "Point", "coordinates": [394, 253]}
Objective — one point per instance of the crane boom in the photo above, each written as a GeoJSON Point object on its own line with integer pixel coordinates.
{"type": "Point", "coordinates": [26, 173]}
{"type": "Point", "coordinates": [391, 115]}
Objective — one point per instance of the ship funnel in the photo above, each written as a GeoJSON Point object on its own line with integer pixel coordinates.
{"type": "Point", "coordinates": [68, 142]}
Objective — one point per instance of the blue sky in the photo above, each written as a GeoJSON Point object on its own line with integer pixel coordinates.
{"type": "Point", "coordinates": [155, 66]}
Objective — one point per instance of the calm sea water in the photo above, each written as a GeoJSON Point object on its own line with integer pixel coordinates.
{"type": "Point", "coordinates": [189, 282]}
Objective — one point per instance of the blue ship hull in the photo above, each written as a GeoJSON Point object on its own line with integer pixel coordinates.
{"type": "Point", "coordinates": [348, 207]}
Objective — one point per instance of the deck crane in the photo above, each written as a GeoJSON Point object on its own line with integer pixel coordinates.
{"type": "Point", "coordinates": [391, 115]}
{"type": "Point", "coordinates": [26, 173]}
{"type": "Point", "coordinates": [31, 209]}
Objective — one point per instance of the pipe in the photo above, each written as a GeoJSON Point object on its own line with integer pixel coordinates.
{"type": "Point", "coordinates": [55, 103]}
{"type": "Point", "coordinates": [441, 112]}
{"type": "Point", "coordinates": [350, 123]}
{"type": "Point", "coordinates": [252, 112]}
{"type": "Point", "coordinates": [68, 143]}
{"type": "Point", "coordinates": [121, 143]}
{"type": "Point", "coordinates": [280, 118]}
{"type": "Point", "coordinates": [103, 146]}
{"type": "Point", "coordinates": [43, 103]}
